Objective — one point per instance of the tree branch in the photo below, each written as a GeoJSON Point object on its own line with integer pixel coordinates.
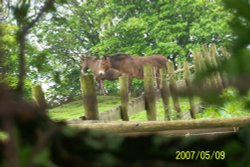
{"type": "Point", "coordinates": [21, 35]}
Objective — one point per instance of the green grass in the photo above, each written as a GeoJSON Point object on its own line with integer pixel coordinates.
{"type": "Point", "coordinates": [233, 107]}
{"type": "Point", "coordinates": [75, 109]}
{"type": "Point", "coordinates": [141, 116]}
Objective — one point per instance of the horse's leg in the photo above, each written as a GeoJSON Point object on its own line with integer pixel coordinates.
{"type": "Point", "coordinates": [157, 75]}
{"type": "Point", "coordinates": [129, 85]}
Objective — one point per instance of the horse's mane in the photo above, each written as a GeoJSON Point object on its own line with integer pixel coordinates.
{"type": "Point", "coordinates": [120, 56]}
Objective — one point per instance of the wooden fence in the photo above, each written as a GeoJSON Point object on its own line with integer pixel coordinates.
{"type": "Point", "coordinates": [171, 80]}
{"type": "Point", "coordinates": [157, 126]}
{"type": "Point", "coordinates": [145, 102]}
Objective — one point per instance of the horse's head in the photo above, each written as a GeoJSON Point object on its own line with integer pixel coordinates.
{"type": "Point", "coordinates": [85, 63]}
{"type": "Point", "coordinates": [103, 64]}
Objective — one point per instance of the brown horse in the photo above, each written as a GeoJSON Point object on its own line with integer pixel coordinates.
{"type": "Point", "coordinates": [132, 65]}
{"type": "Point", "coordinates": [95, 65]}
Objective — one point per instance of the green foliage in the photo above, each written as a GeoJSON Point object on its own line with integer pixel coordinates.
{"type": "Point", "coordinates": [3, 136]}
{"type": "Point", "coordinates": [229, 94]}
{"type": "Point", "coordinates": [165, 27]}
{"type": "Point", "coordinates": [233, 105]}
{"type": "Point", "coordinates": [8, 50]}
{"type": "Point", "coordinates": [41, 159]}
{"type": "Point", "coordinates": [240, 23]}
{"type": "Point", "coordinates": [238, 65]}
{"type": "Point", "coordinates": [8, 58]}
{"type": "Point", "coordinates": [236, 68]}
{"type": "Point", "coordinates": [138, 27]}
{"type": "Point", "coordinates": [103, 27]}
{"type": "Point", "coordinates": [111, 87]}
{"type": "Point", "coordinates": [137, 87]}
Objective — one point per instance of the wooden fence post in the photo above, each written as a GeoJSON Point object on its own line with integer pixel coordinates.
{"type": "Point", "coordinates": [214, 60]}
{"type": "Point", "coordinates": [124, 97]}
{"type": "Point", "coordinates": [173, 88]}
{"type": "Point", "coordinates": [200, 66]}
{"type": "Point", "coordinates": [225, 53]}
{"type": "Point", "coordinates": [149, 92]}
{"type": "Point", "coordinates": [209, 61]}
{"type": "Point", "coordinates": [165, 93]}
{"type": "Point", "coordinates": [187, 77]}
{"type": "Point", "coordinates": [89, 97]}
{"type": "Point", "coordinates": [38, 97]}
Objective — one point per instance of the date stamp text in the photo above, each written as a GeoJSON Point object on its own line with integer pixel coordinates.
{"type": "Point", "coordinates": [200, 155]}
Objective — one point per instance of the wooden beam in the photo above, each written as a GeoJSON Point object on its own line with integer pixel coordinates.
{"type": "Point", "coordinates": [153, 126]}
{"type": "Point", "coordinates": [207, 132]}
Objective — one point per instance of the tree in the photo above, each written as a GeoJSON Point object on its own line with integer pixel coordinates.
{"type": "Point", "coordinates": [103, 27]}
{"type": "Point", "coordinates": [25, 23]}
{"type": "Point", "coordinates": [166, 27]}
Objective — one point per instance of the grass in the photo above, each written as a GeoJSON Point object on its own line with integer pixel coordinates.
{"type": "Point", "coordinates": [233, 107]}
{"type": "Point", "coordinates": [74, 110]}
{"type": "Point", "coordinates": [141, 116]}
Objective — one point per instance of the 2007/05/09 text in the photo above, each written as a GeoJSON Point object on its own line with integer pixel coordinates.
{"type": "Point", "coordinates": [200, 155]}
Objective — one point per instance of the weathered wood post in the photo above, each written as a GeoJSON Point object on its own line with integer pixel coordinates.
{"type": "Point", "coordinates": [149, 92]}
{"type": "Point", "coordinates": [89, 97]}
{"type": "Point", "coordinates": [209, 61]}
{"type": "Point", "coordinates": [165, 93]}
{"type": "Point", "coordinates": [38, 97]}
{"type": "Point", "coordinates": [124, 93]}
{"type": "Point", "coordinates": [201, 66]}
{"type": "Point", "coordinates": [206, 58]}
{"type": "Point", "coordinates": [173, 88]}
{"type": "Point", "coordinates": [225, 55]}
{"type": "Point", "coordinates": [187, 77]}
{"type": "Point", "coordinates": [215, 63]}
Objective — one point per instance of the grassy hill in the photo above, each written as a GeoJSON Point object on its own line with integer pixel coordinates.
{"type": "Point", "coordinates": [74, 110]}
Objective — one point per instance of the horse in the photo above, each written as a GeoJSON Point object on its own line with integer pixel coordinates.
{"type": "Point", "coordinates": [132, 65]}
{"type": "Point", "coordinates": [94, 65]}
